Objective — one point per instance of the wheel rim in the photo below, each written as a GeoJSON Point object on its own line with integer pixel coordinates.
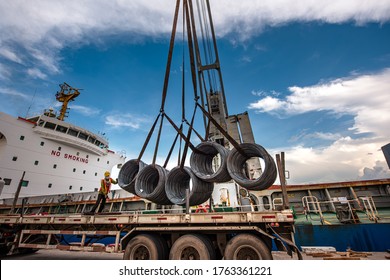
{"type": "Point", "coordinates": [140, 253]}
{"type": "Point", "coordinates": [247, 253]}
{"type": "Point", "coordinates": [190, 253]}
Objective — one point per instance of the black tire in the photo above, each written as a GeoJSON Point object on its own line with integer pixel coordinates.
{"type": "Point", "coordinates": [144, 247]}
{"type": "Point", "coordinates": [163, 247]}
{"type": "Point", "coordinates": [247, 247]}
{"type": "Point", "coordinates": [4, 251]}
{"type": "Point", "coordinates": [192, 247]}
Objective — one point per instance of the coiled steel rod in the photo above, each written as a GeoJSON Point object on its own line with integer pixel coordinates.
{"type": "Point", "coordinates": [202, 163]}
{"type": "Point", "coordinates": [180, 179]}
{"type": "Point", "coordinates": [128, 174]}
{"type": "Point", "coordinates": [150, 184]}
{"type": "Point", "coordinates": [236, 167]}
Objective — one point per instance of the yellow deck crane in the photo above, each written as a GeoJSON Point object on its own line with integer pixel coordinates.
{"type": "Point", "coordinates": [66, 95]}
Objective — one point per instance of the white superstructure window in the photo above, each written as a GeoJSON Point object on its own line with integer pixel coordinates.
{"type": "Point", "coordinates": [72, 132]}
{"type": "Point", "coordinates": [55, 166]}
{"type": "Point", "coordinates": [81, 188]}
{"type": "Point", "coordinates": [7, 181]}
{"type": "Point", "coordinates": [50, 125]}
{"type": "Point", "coordinates": [84, 171]}
{"type": "Point", "coordinates": [14, 158]}
{"type": "Point", "coordinates": [61, 128]}
{"type": "Point", "coordinates": [83, 136]}
{"type": "Point", "coordinates": [74, 169]}
{"type": "Point", "coordinates": [36, 162]}
{"type": "Point", "coordinates": [49, 186]}
{"type": "Point", "coordinates": [70, 187]}
{"type": "Point", "coordinates": [42, 143]}
{"type": "Point", "coordinates": [21, 137]}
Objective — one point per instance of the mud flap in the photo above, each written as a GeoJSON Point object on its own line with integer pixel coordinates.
{"type": "Point", "coordinates": [288, 245]}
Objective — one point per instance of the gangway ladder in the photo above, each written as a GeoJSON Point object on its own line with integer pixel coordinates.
{"type": "Point", "coordinates": [370, 208]}
{"type": "Point", "coordinates": [311, 204]}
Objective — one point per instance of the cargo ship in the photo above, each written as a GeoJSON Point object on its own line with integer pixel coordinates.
{"type": "Point", "coordinates": [46, 155]}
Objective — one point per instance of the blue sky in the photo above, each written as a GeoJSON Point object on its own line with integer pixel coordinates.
{"type": "Point", "coordinates": [314, 75]}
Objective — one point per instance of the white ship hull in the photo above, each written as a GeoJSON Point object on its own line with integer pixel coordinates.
{"type": "Point", "coordinates": [55, 156]}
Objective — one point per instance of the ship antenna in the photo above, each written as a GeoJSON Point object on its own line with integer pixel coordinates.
{"type": "Point", "coordinates": [65, 95]}
{"type": "Point", "coordinates": [32, 102]}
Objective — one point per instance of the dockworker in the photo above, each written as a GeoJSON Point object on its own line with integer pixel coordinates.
{"type": "Point", "coordinates": [105, 186]}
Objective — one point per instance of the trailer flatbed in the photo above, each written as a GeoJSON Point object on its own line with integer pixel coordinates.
{"type": "Point", "coordinates": [156, 235]}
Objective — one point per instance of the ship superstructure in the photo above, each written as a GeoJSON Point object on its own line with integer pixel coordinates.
{"type": "Point", "coordinates": [45, 155]}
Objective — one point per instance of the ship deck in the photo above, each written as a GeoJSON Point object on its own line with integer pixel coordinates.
{"type": "Point", "coordinates": [360, 234]}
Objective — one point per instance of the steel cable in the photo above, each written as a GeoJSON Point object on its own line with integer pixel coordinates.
{"type": "Point", "coordinates": [150, 184]}
{"type": "Point", "coordinates": [178, 180]}
{"type": "Point", "coordinates": [128, 174]}
{"type": "Point", "coordinates": [202, 163]}
{"type": "Point", "coordinates": [236, 167]}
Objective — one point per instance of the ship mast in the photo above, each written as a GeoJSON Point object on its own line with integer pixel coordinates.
{"type": "Point", "coordinates": [66, 95]}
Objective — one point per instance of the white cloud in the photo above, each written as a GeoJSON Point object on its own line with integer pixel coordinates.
{"type": "Point", "coordinates": [347, 158]}
{"type": "Point", "coordinates": [344, 160]}
{"type": "Point", "coordinates": [36, 73]}
{"type": "Point", "coordinates": [9, 54]}
{"type": "Point", "coordinates": [126, 120]}
{"type": "Point", "coordinates": [86, 111]}
{"type": "Point", "coordinates": [316, 135]}
{"type": "Point", "coordinates": [43, 28]}
{"type": "Point", "coordinates": [380, 170]}
{"type": "Point", "coordinates": [5, 73]}
{"type": "Point", "coordinates": [251, 16]}
{"type": "Point", "coordinates": [267, 104]}
{"type": "Point", "coordinates": [13, 93]}
{"type": "Point", "coordinates": [365, 97]}
{"type": "Point", "coordinates": [46, 57]}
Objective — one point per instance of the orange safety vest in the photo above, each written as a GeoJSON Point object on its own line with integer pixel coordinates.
{"type": "Point", "coordinates": [106, 185]}
{"type": "Point", "coordinates": [201, 208]}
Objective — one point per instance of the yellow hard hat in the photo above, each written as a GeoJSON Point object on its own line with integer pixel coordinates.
{"type": "Point", "coordinates": [106, 174]}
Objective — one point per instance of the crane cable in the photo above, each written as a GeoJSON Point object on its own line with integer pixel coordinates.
{"type": "Point", "coordinates": [165, 87]}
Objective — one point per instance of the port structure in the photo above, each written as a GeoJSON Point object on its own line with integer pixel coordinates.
{"type": "Point", "coordinates": [208, 91]}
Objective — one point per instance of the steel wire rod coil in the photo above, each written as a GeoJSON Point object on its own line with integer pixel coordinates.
{"type": "Point", "coordinates": [236, 167]}
{"type": "Point", "coordinates": [202, 162]}
{"type": "Point", "coordinates": [150, 184]}
{"type": "Point", "coordinates": [128, 174]}
{"type": "Point", "coordinates": [179, 179]}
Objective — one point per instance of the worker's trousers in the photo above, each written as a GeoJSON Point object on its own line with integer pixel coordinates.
{"type": "Point", "coordinates": [101, 199]}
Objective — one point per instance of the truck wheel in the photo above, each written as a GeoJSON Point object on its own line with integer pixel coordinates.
{"type": "Point", "coordinates": [144, 247]}
{"type": "Point", "coordinates": [4, 250]}
{"type": "Point", "coordinates": [192, 247]}
{"type": "Point", "coordinates": [163, 247]}
{"type": "Point", "coordinates": [247, 247]}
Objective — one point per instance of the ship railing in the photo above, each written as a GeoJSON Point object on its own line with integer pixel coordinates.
{"type": "Point", "coordinates": [370, 208]}
{"type": "Point", "coordinates": [312, 205]}
{"type": "Point", "coordinates": [343, 207]}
